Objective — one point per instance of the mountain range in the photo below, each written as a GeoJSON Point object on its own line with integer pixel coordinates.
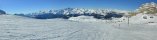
{"type": "Point", "coordinates": [75, 12]}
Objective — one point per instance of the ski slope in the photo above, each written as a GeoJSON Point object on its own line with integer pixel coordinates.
{"type": "Point", "coordinates": [22, 28]}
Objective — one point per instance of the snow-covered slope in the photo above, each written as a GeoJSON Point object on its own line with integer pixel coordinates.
{"type": "Point", "coordinates": [144, 19]}
{"type": "Point", "coordinates": [21, 28]}
{"type": "Point", "coordinates": [83, 19]}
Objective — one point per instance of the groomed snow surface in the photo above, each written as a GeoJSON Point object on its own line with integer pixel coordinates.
{"type": "Point", "coordinates": [21, 28]}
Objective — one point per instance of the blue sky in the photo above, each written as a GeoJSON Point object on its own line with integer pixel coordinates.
{"type": "Point", "coordinates": [28, 6]}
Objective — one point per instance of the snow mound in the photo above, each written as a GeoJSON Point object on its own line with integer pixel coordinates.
{"type": "Point", "coordinates": [83, 19]}
{"type": "Point", "coordinates": [143, 19]}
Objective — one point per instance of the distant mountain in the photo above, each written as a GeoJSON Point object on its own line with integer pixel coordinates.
{"type": "Point", "coordinates": [148, 8]}
{"type": "Point", "coordinates": [2, 12]}
{"type": "Point", "coordinates": [75, 12]}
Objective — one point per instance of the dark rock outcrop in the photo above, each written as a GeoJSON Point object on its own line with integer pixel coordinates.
{"type": "Point", "coordinates": [2, 12]}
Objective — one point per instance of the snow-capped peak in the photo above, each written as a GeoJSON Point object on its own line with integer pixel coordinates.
{"type": "Point", "coordinates": [67, 11]}
{"type": "Point", "coordinates": [74, 12]}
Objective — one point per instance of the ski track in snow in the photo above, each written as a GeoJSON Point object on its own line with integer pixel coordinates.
{"type": "Point", "coordinates": [21, 28]}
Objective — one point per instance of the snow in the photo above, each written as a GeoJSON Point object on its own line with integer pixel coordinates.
{"type": "Point", "coordinates": [83, 19]}
{"type": "Point", "coordinates": [21, 28]}
{"type": "Point", "coordinates": [68, 11]}
{"type": "Point", "coordinates": [83, 11]}
{"type": "Point", "coordinates": [139, 19]}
